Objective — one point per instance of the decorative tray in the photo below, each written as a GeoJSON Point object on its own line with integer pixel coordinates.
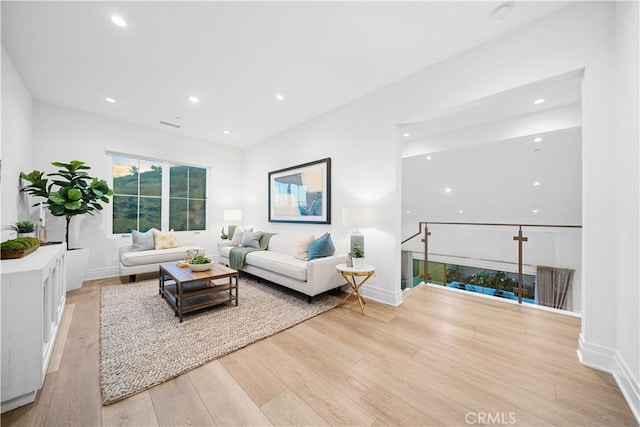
{"type": "Point", "coordinates": [18, 254]}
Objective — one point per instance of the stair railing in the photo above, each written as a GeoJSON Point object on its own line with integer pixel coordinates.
{"type": "Point", "coordinates": [520, 238]}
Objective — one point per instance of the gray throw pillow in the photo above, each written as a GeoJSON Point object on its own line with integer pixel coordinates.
{"type": "Point", "coordinates": [142, 241]}
{"type": "Point", "coordinates": [251, 239]}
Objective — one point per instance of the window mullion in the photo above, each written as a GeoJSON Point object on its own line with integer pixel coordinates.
{"type": "Point", "coordinates": [166, 182]}
{"type": "Point", "coordinates": [139, 199]}
{"type": "Point", "coordinates": [188, 196]}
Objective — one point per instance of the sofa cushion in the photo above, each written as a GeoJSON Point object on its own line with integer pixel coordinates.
{"type": "Point", "coordinates": [321, 247]}
{"type": "Point", "coordinates": [164, 240]}
{"type": "Point", "coordinates": [283, 243]}
{"type": "Point", "coordinates": [279, 263]}
{"type": "Point", "coordinates": [142, 241]}
{"type": "Point", "coordinates": [157, 256]}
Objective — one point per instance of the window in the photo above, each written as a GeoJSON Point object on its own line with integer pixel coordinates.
{"type": "Point", "coordinates": [146, 196]}
{"type": "Point", "coordinates": [187, 198]}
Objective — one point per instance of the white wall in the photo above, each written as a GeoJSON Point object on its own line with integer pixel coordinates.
{"type": "Point", "coordinates": [62, 134]}
{"type": "Point", "coordinates": [16, 148]}
{"type": "Point", "coordinates": [360, 151]}
{"type": "Point", "coordinates": [627, 155]}
{"type": "Point", "coordinates": [366, 157]}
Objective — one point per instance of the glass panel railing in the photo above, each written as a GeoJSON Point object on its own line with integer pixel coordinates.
{"type": "Point", "coordinates": [530, 264]}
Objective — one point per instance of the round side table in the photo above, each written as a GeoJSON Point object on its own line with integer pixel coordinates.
{"type": "Point", "coordinates": [351, 274]}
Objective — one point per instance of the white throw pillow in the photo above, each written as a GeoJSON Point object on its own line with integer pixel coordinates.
{"type": "Point", "coordinates": [301, 250]}
{"type": "Point", "coordinates": [237, 236]}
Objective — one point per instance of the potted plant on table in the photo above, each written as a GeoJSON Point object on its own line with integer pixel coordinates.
{"type": "Point", "coordinates": [23, 228]}
{"type": "Point", "coordinates": [357, 254]}
{"type": "Point", "coordinates": [200, 263]}
{"type": "Point", "coordinates": [71, 192]}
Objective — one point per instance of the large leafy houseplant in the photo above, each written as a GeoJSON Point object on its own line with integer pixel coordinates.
{"type": "Point", "coordinates": [70, 192]}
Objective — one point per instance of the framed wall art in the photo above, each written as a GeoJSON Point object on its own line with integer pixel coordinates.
{"type": "Point", "coordinates": [301, 193]}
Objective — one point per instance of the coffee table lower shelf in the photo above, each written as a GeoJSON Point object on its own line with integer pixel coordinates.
{"type": "Point", "coordinates": [196, 296]}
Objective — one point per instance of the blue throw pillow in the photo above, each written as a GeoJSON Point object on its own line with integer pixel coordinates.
{"type": "Point", "coordinates": [321, 247]}
{"type": "Point", "coordinates": [142, 241]}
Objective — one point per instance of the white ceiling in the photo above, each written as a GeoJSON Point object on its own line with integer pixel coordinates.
{"type": "Point", "coordinates": [501, 116]}
{"type": "Point", "coordinates": [235, 56]}
{"type": "Point", "coordinates": [495, 182]}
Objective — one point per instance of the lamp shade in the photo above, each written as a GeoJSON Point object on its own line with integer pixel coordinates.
{"type": "Point", "coordinates": [232, 214]}
{"type": "Point", "coordinates": [360, 216]}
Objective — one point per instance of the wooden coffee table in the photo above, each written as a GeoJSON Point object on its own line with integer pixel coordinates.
{"type": "Point", "coordinates": [186, 291]}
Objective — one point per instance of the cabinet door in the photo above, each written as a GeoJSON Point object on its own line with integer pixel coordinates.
{"type": "Point", "coordinates": [22, 320]}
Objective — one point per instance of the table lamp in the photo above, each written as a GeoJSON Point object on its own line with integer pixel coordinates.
{"type": "Point", "coordinates": [232, 215]}
{"type": "Point", "coordinates": [360, 216]}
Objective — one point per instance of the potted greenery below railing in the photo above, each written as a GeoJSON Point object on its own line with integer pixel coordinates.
{"type": "Point", "coordinates": [71, 192]}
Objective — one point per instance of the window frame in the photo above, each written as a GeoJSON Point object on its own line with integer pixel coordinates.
{"type": "Point", "coordinates": [165, 190]}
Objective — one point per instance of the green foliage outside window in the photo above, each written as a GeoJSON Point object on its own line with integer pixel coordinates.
{"type": "Point", "coordinates": [187, 198]}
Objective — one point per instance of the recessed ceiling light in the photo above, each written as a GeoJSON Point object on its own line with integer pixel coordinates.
{"type": "Point", "coordinates": [538, 101]}
{"type": "Point", "coordinates": [194, 99]}
{"type": "Point", "coordinates": [429, 157]}
{"type": "Point", "coordinates": [538, 139]}
{"type": "Point", "coordinates": [406, 134]}
{"type": "Point", "coordinates": [535, 184]}
{"type": "Point", "coordinates": [280, 97]}
{"type": "Point", "coordinates": [111, 100]}
{"type": "Point", "coordinates": [448, 190]}
{"type": "Point", "coordinates": [226, 132]}
{"type": "Point", "coordinates": [119, 21]}
{"type": "Point", "coordinates": [408, 212]}
{"type": "Point", "coordinates": [460, 211]}
{"type": "Point", "coordinates": [535, 211]}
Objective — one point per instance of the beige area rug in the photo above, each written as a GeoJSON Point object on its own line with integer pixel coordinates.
{"type": "Point", "coordinates": [142, 343]}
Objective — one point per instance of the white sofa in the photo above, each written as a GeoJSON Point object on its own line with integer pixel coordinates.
{"type": "Point", "coordinates": [279, 265]}
{"type": "Point", "coordinates": [149, 261]}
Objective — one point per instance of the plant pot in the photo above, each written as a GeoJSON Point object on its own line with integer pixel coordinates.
{"type": "Point", "coordinates": [77, 261]}
{"type": "Point", "coordinates": [358, 262]}
{"type": "Point", "coordinates": [31, 234]}
{"type": "Point", "coordinates": [201, 267]}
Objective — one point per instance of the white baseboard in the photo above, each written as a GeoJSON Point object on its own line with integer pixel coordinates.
{"type": "Point", "coordinates": [609, 360]}
{"type": "Point", "coordinates": [101, 273]}
{"type": "Point", "coordinates": [384, 296]}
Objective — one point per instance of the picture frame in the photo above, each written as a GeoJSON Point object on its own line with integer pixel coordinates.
{"type": "Point", "coordinates": [301, 193]}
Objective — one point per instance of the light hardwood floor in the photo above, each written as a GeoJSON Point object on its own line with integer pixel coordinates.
{"type": "Point", "coordinates": [441, 358]}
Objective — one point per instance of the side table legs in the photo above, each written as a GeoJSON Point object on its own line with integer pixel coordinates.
{"type": "Point", "coordinates": [355, 286]}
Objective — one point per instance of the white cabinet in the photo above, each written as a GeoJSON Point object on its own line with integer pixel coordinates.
{"type": "Point", "coordinates": [32, 300]}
